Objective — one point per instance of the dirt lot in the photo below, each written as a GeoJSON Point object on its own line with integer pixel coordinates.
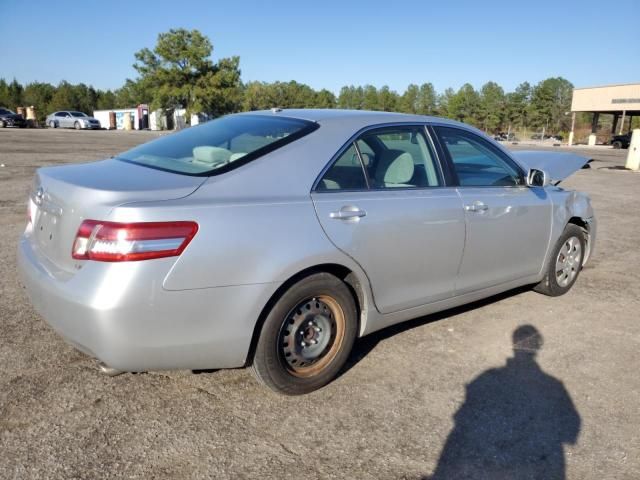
{"type": "Point", "coordinates": [390, 413]}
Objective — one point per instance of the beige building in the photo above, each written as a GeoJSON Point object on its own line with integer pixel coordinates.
{"type": "Point", "coordinates": [621, 101]}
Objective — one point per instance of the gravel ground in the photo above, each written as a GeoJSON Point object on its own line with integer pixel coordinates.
{"type": "Point", "coordinates": [398, 411]}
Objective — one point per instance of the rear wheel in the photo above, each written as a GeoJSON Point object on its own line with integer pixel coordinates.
{"type": "Point", "coordinates": [52, 124]}
{"type": "Point", "coordinates": [307, 336]}
{"type": "Point", "coordinates": [564, 264]}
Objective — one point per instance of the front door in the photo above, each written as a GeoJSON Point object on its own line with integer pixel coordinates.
{"type": "Point", "coordinates": [383, 203]}
{"type": "Point", "coordinates": [508, 223]}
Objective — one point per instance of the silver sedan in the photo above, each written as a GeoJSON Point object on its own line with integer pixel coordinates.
{"type": "Point", "coordinates": [72, 119]}
{"type": "Point", "coordinates": [273, 239]}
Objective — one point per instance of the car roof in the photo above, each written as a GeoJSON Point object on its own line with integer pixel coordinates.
{"type": "Point", "coordinates": [353, 117]}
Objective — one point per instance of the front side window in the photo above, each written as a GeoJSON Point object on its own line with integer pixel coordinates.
{"type": "Point", "coordinates": [219, 145]}
{"type": "Point", "coordinates": [476, 162]}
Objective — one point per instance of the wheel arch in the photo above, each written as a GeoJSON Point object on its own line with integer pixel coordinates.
{"type": "Point", "coordinates": [588, 228]}
{"type": "Point", "coordinates": [344, 273]}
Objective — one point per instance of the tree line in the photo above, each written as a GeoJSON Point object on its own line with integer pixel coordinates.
{"type": "Point", "coordinates": [179, 72]}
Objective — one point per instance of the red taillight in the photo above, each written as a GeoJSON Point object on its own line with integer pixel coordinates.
{"type": "Point", "coordinates": [123, 242]}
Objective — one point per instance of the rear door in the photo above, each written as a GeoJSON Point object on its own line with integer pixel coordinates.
{"type": "Point", "coordinates": [63, 120]}
{"type": "Point", "coordinates": [384, 203]}
{"type": "Point", "coordinates": [508, 223]}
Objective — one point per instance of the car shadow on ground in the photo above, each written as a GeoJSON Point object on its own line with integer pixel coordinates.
{"type": "Point", "coordinates": [365, 345]}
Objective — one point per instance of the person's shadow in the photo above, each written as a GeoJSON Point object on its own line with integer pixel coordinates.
{"type": "Point", "coordinates": [513, 423]}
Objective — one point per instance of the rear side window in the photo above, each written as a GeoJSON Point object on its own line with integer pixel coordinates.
{"type": "Point", "coordinates": [392, 157]}
{"type": "Point", "coordinates": [476, 162]}
{"type": "Point", "coordinates": [219, 145]}
{"type": "Point", "coordinates": [400, 157]}
{"type": "Point", "coordinates": [345, 174]}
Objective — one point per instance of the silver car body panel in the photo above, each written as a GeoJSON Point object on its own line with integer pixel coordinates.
{"type": "Point", "coordinates": [429, 223]}
{"type": "Point", "coordinates": [415, 252]}
{"type": "Point", "coordinates": [492, 256]}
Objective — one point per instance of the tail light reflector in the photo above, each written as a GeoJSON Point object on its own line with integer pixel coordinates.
{"type": "Point", "coordinates": [124, 242]}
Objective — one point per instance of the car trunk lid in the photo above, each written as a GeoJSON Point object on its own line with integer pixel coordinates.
{"type": "Point", "coordinates": [62, 197]}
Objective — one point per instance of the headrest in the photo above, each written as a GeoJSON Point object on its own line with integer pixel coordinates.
{"type": "Point", "coordinates": [396, 167]}
{"type": "Point", "coordinates": [211, 155]}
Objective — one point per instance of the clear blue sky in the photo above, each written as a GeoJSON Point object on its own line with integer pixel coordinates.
{"type": "Point", "coordinates": [328, 44]}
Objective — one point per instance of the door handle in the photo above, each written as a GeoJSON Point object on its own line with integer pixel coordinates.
{"type": "Point", "coordinates": [348, 212]}
{"type": "Point", "coordinates": [476, 207]}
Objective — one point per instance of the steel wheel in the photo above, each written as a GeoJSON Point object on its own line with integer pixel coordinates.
{"type": "Point", "coordinates": [311, 335]}
{"type": "Point", "coordinates": [307, 335]}
{"type": "Point", "coordinates": [568, 261]}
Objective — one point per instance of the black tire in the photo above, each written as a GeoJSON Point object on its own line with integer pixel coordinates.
{"type": "Point", "coordinates": [558, 282]}
{"type": "Point", "coordinates": [76, 125]}
{"type": "Point", "coordinates": [52, 124]}
{"type": "Point", "coordinates": [278, 361]}
{"type": "Point", "coordinates": [617, 144]}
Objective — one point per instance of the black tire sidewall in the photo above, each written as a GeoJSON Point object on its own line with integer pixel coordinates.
{"type": "Point", "coordinates": [267, 362]}
{"type": "Point", "coordinates": [570, 231]}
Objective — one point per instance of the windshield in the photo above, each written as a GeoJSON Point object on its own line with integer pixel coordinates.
{"type": "Point", "coordinates": [5, 111]}
{"type": "Point", "coordinates": [78, 114]}
{"type": "Point", "coordinates": [219, 145]}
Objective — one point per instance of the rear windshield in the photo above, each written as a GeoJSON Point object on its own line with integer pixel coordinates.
{"type": "Point", "coordinates": [219, 145]}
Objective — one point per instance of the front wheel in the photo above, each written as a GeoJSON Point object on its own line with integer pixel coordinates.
{"type": "Point", "coordinates": [77, 126]}
{"type": "Point", "coordinates": [617, 145]}
{"type": "Point", "coordinates": [307, 336]}
{"type": "Point", "coordinates": [564, 264]}
{"type": "Point", "coordinates": [2, 124]}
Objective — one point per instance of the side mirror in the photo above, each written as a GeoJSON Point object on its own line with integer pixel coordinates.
{"type": "Point", "coordinates": [537, 178]}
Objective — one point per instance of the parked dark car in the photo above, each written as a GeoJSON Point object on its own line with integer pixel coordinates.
{"type": "Point", "coordinates": [621, 141]}
{"type": "Point", "coordinates": [505, 137]}
{"type": "Point", "coordinates": [11, 119]}
{"type": "Point", "coordinates": [538, 136]}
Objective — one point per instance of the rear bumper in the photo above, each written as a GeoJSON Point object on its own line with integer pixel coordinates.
{"type": "Point", "coordinates": [120, 314]}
